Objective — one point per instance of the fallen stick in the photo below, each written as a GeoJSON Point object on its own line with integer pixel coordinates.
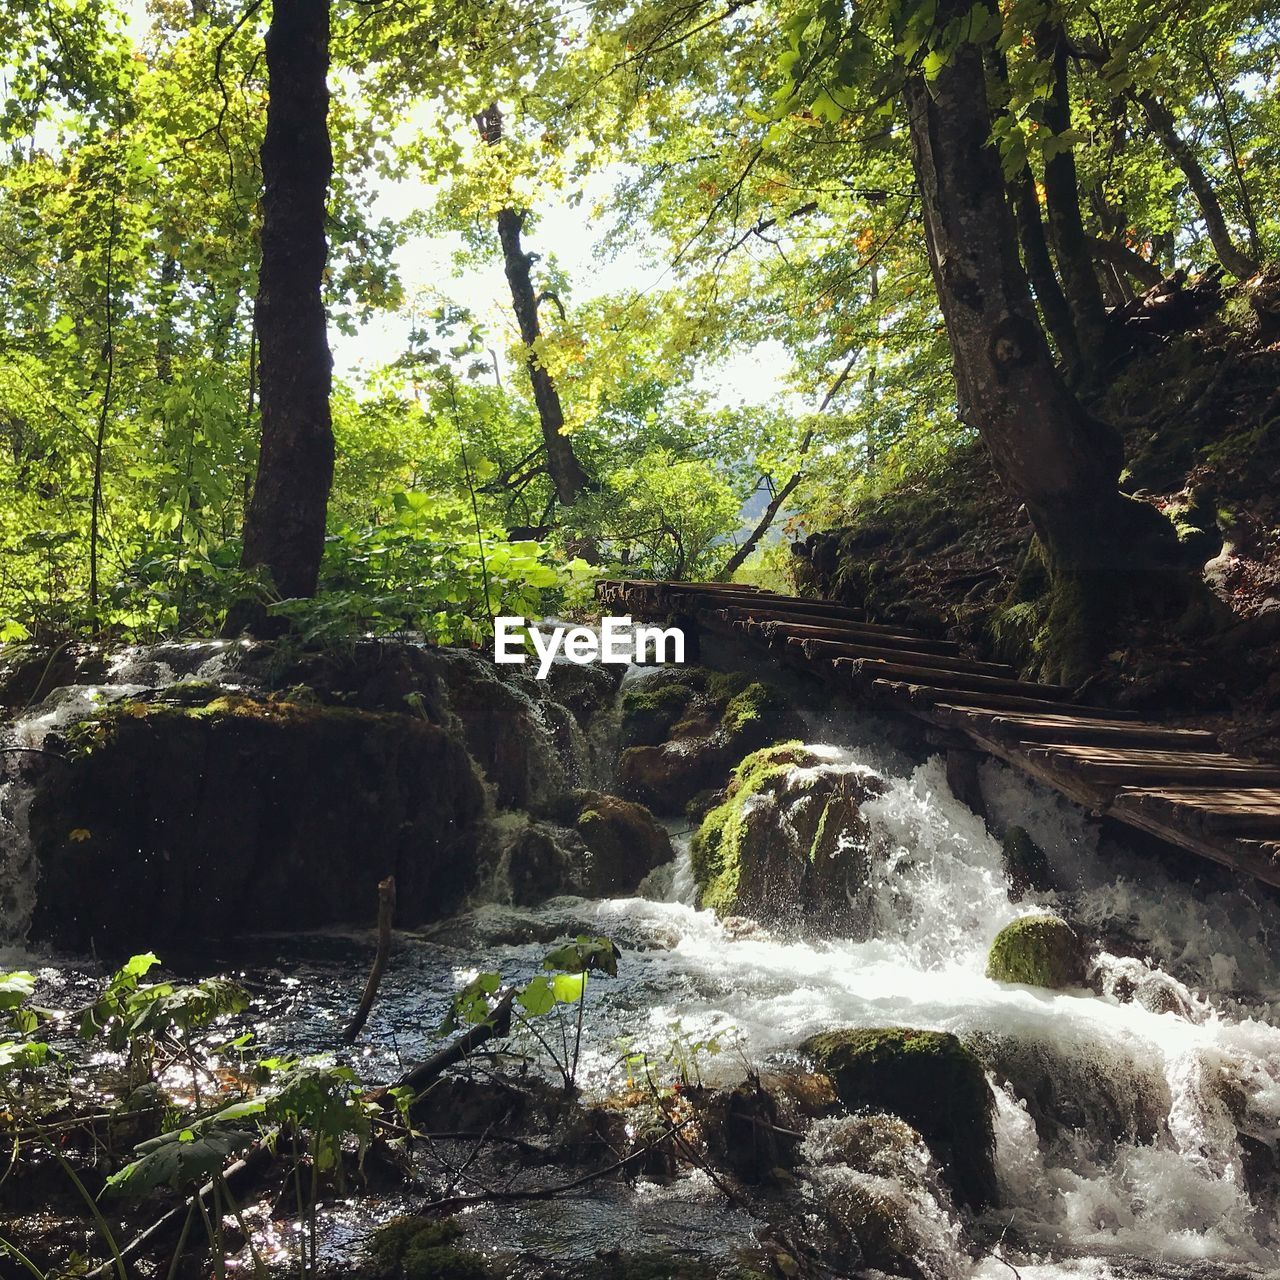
{"type": "Point", "coordinates": [496, 1026]}
{"type": "Point", "coordinates": [386, 910]}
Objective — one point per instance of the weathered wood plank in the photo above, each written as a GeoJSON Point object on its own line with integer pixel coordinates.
{"type": "Point", "coordinates": [875, 668]}
{"type": "Point", "coordinates": [787, 617]}
{"type": "Point", "coordinates": [856, 633]}
{"type": "Point", "coordinates": [925, 661]}
{"type": "Point", "coordinates": [935, 701]}
{"type": "Point", "coordinates": [1217, 811]}
{"type": "Point", "coordinates": [1100, 730]}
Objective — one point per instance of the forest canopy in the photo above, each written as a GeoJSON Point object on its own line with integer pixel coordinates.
{"type": "Point", "coordinates": [924, 215]}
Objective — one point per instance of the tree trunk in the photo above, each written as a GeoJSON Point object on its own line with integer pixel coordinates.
{"type": "Point", "coordinates": [1060, 461]}
{"type": "Point", "coordinates": [562, 463]}
{"type": "Point", "coordinates": [567, 475]}
{"type": "Point", "coordinates": [285, 522]}
{"type": "Point", "coordinates": [1066, 227]}
{"type": "Point", "coordinates": [1035, 254]}
{"type": "Point", "coordinates": [1164, 127]}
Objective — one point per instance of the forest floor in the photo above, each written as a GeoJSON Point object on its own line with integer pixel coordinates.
{"type": "Point", "coordinates": [1194, 389]}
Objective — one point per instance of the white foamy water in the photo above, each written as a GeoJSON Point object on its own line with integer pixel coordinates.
{"type": "Point", "coordinates": [1119, 1116]}
{"type": "Point", "coordinates": [1140, 1157]}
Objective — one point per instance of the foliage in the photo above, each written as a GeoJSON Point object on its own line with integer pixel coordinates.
{"type": "Point", "coordinates": [564, 983]}
{"type": "Point", "coordinates": [756, 158]}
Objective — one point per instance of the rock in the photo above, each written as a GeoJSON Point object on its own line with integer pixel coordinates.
{"type": "Point", "coordinates": [745, 1130]}
{"type": "Point", "coordinates": [689, 727]}
{"type": "Point", "coordinates": [412, 1248]}
{"type": "Point", "coordinates": [178, 822]}
{"type": "Point", "coordinates": [788, 844]}
{"type": "Point", "coordinates": [28, 672]}
{"type": "Point", "coordinates": [930, 1080]}
{"type": "Point", "coordinates": [1025, 865]}
{"type": "Point", "coordinates": [625, 843]}
{"type": "Point", "coordinates": [650, 710]}
{"type": "Point", "coordinates": [1086, 1095]}
{"type": "Point", "coordinates": [1039, 951]}
{"type": "Point", "coordinates": [531, 738]}
{"type": "Point", "coordinates": [543, 861]}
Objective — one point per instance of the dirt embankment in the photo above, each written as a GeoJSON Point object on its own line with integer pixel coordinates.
{"type": "Point", "coordinates": [1195, 388]}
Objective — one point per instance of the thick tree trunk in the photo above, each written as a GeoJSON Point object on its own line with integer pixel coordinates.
{"type": "Point", "coordinates": [1165, 128]}
{"type": "Point", "coordinates": [566, 472]}
{"type": "Point", "coordinates": [1060, 461]}
{"type": "Point", "coordinates": [1066, 227]}
{"type": "Point", "coordinates": [285, 522]}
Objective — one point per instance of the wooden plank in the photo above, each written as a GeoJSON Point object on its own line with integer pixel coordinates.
{"type": "Point", "coordinates": [763, 599]}
{"type": "Point", "coordinates": [787, 617]}
{"type": "Point", "coordinates": [926, 661]}
{"type": "Point", "coordinates": [1099, 730]}
{"type": "Point", "coordinates": [1221, 811]}
{"type": "Point", "coordinates": [874, 668]}
{"type": "Point", "coordinates": [1105, 770]}
{"type": "Point", "coordinates": [946, 702]}
{"type": "Point", "coordinates": [1257, 858]}
{"type": "Point", "coordinates": [856, 633]}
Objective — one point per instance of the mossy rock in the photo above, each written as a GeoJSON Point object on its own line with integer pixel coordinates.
{"type": "Point", "coordinates": [752, 717]}
{"type": "Point", "coordinates": [238, 815]}
{"type": "Point", "coordinates": [685, 728]}
{"type": "Point", "coordinates": [776, 847]}
{"type": "Point", "coordinates": [1039, 951]}
{"type": "Point", "coordinates": [412, 1249]}
{"type": "Point", "coordinates": [1025, 865]}
{"type": "Point", "coordinates": [930, 1080]}
{"type": "Point", "coordinates": [650, 711]}
{"type": "Point", "coordinates": [626, 843]}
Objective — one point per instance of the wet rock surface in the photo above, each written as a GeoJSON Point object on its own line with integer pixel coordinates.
{"type": "Point", "coordinates": [1040, 951]}
{"type": "Point", "coordinates": [685, 728]}
{"type": "Point", "coordinates": [237, 815]}
{"type": "Point", "coordinates": [930, 1080]}
{"type": "Point", "coordinates": [787, 844]}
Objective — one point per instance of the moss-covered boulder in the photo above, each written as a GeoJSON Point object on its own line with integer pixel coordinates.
{"type": "Point", "coordinates": [625, 842]}
{"type": "Point", "coordinates": [788, 843]}
{"type": "Point", "coordinates": [238, 815]}
{"type": "Point", "coordinates": [1025, 865]}
{"type": "Point", "coordinates": [416, 1249]}
{"type": "Point", "coordinates": [1086, 1094]}
{"type": "Point", "coordinates": [684, 729]}
{"type": "Point", "coordinates": [1039, 951]}
{"type": "Point", "coordinates": [650, 710]}
{"type": "Point", "coordinates": [930, 1080]}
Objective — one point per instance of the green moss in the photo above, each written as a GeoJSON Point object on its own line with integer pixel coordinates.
{"type": "Point", "coordinates": [648, 713]}
{"type": "Point", "coordinates": [752, 712]}
{"type": "Point", "coordinates": [1039, 951]}
{"type": "Point", "coordinates": [716, 849]}
{"type": "Point", "coordinates": [930, 1080]}
{"type": "Point", "coordinates": [418, 1250]}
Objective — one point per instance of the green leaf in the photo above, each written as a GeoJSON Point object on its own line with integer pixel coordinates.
{"type": "Point", "coordinates": [180, 1160]}
{"type": "Point", "coordinates": [538, 997]}
{"type": "Point", "coordinates": [15, 988]}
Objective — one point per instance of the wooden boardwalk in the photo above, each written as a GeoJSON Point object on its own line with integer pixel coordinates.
{"type": "Point", "coordinates": [1174, 783]}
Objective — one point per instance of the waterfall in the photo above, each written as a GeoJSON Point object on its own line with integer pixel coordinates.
{"type": "Point", "coordinates": [133, 670]}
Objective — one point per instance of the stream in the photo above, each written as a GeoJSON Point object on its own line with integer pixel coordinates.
{"type": "Point", "coordinates": [1158, 1092]}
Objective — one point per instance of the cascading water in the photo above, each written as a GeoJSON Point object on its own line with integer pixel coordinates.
{"type": "Point", "coordinates": [1136, 1128]}
{"type": "Point", "coordinates": [1133, 1129]}
{"type": "Point", "coordinates": [132, 671]}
